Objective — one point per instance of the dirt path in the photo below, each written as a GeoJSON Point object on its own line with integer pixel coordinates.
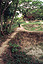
{"type": "Point", "coordinates": [5, 45]}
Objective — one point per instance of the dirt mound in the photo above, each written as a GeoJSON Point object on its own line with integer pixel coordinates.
{"type": "Point", "coordinates": [29, 42]}
{"type": "Point", "coordinates": [27, 38]}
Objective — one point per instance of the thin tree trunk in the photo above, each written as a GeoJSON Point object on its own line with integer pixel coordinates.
{"type": "Point", "coordinates": [13, 15]}
{"type": "Point", "coordinates": [2, 23]}
{"type": "Point", "coordinates": [1, 19]}
{"type": "Point", "coordinates": [0, 15]}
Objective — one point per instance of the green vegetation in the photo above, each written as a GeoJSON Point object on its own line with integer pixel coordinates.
{"type": "Point", "coordinates": [33, 23]}
{"type": "Point", "coordinates": [41, 45]}
{"type": "Point", "coordinates": [13, 47]}
{"type": "Point", "coordinates": [9, 8]}
{"type": "Point", "coordinates": [36, 26]}
{"type": "Point", "coordinates": [41, 57]}
{"type": "Point", "coordinates": [10, 20]}
{"type": "Point", "coordinates": [18, 57]}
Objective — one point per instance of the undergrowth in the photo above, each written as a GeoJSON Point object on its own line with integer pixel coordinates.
{"type": "Point", "coordinates": [16, 56]}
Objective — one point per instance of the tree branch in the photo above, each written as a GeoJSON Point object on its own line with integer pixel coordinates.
{"type": "Point", "coordinates": [14, 14]}
{"type": "Point", "coordinates": [6, 6]}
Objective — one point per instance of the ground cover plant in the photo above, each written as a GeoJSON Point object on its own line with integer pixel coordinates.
{"type": "Point", "coordinates": [36, 26]}
{"type": "Point", "coordinates": [25, 48]}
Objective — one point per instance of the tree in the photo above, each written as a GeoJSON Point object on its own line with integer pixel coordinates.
{"type": "Point", "coordinates": [33, 8]}
{"type": "Point", "coordinates": [2, 11]}
{"type": "Point", "coordinates": [8, 9]}
{"type": "Point", "coordinates": [14, 13]}
{"type": "Point", "coordinates": [0, 16]}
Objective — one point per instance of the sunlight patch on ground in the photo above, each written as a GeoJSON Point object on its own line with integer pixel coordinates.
{"type": "Point", "coordinates": [35, 51]}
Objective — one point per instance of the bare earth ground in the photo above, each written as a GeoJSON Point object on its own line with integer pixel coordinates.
{"type": "Point", "coordinates": [28, 41]}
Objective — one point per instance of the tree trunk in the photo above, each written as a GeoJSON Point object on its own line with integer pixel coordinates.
{"type": "Point", "coordinates": [1, 24]}
{"type": "Point", "coordinates": [13, 15]}
{"type": "Point", "coordinates": [1, 19]}
{"type": "Point", "coordinates": [0, 15]}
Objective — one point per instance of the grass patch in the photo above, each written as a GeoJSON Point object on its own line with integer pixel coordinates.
{"type": "Point", "coordinates": [33, 26]}
{"type": "Point", "coordinates": [41, 57]}
{"type": "Point", "coordinates": [41, 44]}
{"type": "Point", "coordinates": [32, 23]}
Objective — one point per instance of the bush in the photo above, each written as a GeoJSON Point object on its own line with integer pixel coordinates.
{"type": "Point", "coordinates": [13, 47]}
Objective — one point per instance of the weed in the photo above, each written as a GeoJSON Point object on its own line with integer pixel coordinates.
{"type": "Point", "coordinates": [19, 41]}
{"type": "Point", "coordinates": [13, 47]}
{"type": "Point", "coordinates": [41, 57]}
